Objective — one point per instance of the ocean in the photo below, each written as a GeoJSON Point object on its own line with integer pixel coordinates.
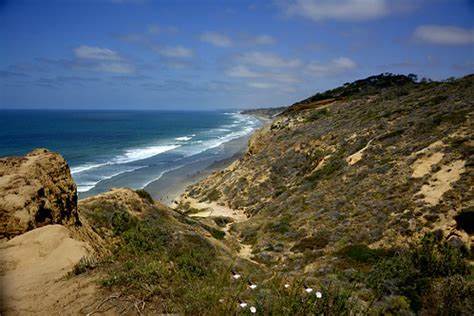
{"type": "Point", "coordinates": [107, 149]}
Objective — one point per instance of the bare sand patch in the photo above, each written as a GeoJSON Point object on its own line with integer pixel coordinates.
{"type": "Point", "coordinates": [214, 209]}
{"type": "Point", "coordinates": [440, 182]}
{"type": "Point", "coordinates": [357, 156]}
{"type": "Point", "coordinates": [245, 251]}
{"type": "Point", "coordinates": [422, 166]}
{"type": "Point", "coordinates": [33, 267]}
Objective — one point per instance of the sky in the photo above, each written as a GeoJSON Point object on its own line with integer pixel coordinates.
{"type": "Point", "coordinates": [203, 54]}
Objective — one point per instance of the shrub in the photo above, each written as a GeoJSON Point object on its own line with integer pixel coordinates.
{"type": "Point", "coordinates": [281, 226]}
{"type": "Point", "coordinates": [465, 220]}
{"type": "Point", "coordinates": [410, 272]}
{"type": "Point", "coordinates": [333, 164]}
{"type": "Point", "coordinates": [316, 115]}
{"type": "Point", "coordinates": [222, 221]}
{"type": "Point", "coordinates": [145, 195]}
{"type": "Point", "coordinates": [362, 253]}
{"type": "Point", "coordinates": [449, 296]}
{"type": "Point", "coordinates": [121, 221]}
{"type": "Point", "coordinates": [317, 241]}
{"type": "Point", "coordinates": [214, 195]}
{"type": "Point", "coordinates": [84, 264]}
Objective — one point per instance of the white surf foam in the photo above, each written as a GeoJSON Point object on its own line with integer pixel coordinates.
{"type": "Point", "coordinates": [242, 125]}
{"type": "Point", "coordinates": [86, 186]}
{"type": "Point", "coordinates": [143, 153]}
{"type": "Point", "coordinates": [185, 138]}
{"type": "Point", "coordinates": [82, 168]}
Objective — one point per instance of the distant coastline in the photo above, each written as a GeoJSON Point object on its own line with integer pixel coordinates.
{"type": "Point", "coordinates": [172, 184]}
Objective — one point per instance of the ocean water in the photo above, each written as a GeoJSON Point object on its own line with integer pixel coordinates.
{"type": "Point", "coordinates": [121, 148]}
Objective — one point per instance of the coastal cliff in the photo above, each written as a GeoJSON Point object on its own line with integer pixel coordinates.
{"type": "Point", "coordinates": [355, 201]}
{"type": "Point", "coordinates": [55, 252]}
{"type": "Point", "coordinates": [35, 190]}
{"type": "Point", "coordinates": [376, 162]}
{"type": "Point", "coordinates": [367, 184]}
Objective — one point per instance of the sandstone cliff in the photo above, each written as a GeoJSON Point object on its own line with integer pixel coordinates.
{"type": "Point", "coordinates": [35, 190]}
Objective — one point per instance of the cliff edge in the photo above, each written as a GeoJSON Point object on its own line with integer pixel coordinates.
{"type": "Point", "coordinates": [36, 190]}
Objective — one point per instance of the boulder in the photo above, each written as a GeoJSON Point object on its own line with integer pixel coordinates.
{"type": "Point", "coordinates": [36, 190]}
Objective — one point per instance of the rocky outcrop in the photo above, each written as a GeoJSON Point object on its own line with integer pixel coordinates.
{"type": "Point", "coordinates": [35, 190]}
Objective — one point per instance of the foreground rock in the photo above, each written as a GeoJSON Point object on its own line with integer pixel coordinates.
{"type": "Point", "coordinates": [35, 190]}
{"type": "Point", "coordinates": [47, 238]}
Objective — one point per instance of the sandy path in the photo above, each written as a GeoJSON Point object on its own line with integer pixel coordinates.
{"type": "Point", "coordinates": [213, 209]}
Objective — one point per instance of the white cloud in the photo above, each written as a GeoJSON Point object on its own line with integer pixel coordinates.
{"type": "Point", "coordinates": [101, 59]}
{"type": "Point", "coordinates": [268, 60]}
{"type": "Point", "coordinates": [216, 39]}
{"type": "Point", "coordinates": [444, 35]}
{"type": "Point", "coordinates": [96, 53]}
{"type": "Point", "coordinates": [350, 10]}
{"type": "Point", "coordinates": [174, 51]}
{"type": "Point", "coordinates": [334, 67]}
{"type": "Point", "coordinates": [262, 40]}
{"type": "Point", "coordinates": [242, 72]}
{"type": "Point", "coordinates": [261, 85]}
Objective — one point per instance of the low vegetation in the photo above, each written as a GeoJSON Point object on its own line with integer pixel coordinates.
{"type": "Point", "coordinates": [330, 189]}
{"type": "Point", "coordinates": [328, 233]}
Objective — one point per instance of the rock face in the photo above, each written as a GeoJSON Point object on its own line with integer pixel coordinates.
{"type": "Point", "coordinates": [35, 190]}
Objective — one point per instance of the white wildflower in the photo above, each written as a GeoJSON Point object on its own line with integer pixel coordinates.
{"type": "Point", "coordinates": [253, 310]}
{"type": "Point", "coordinates": [243, 304]}
{"type": "Point", "coordinates": [286, 285]}
{"type": "Point", "coordinates": [319, 294]}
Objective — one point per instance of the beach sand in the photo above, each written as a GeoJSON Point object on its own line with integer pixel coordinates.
{"type": "Point", "coordinates": [173, 183]}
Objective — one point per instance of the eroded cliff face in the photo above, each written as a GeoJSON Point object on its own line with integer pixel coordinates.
{"type": "Point", "coordinates": [377, 167]}
{"type": "Point", "coordinates": [35, 190]}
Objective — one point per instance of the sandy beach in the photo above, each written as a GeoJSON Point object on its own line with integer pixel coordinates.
{"type": "Point", "coordinates": [173, 183]}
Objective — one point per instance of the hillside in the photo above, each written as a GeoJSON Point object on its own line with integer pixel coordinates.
{"type": "Point", "coordinates": [362, 169]}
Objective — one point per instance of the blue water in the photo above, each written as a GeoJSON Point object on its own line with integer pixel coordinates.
{"type": "Point", "coordinates": [133, 148]}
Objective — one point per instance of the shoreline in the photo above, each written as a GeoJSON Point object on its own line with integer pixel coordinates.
{"type": "Point", "coordinates": [172, 184]}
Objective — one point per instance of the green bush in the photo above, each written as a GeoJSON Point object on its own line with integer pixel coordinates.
{"type": "Point", "coordinates": [361, 253]}
{"type": "Point", "coordinates": [145, 195]}
{"type": "Point", "coordinates": [316, 115]}
{"type": "Point", "coordinates": [281, 225]}
{"type": "Point", "coordinates": [333, 164]}
{"type": "Point", "coordinates": [214, 195]}
{"type": "Point", "coordinates": [121, 221]}
{"type": "Point", "coordinates": [317, 241]}
{"type": "Point", "coordinates": [410, 272]}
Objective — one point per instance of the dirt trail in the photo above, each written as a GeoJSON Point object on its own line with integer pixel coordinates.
{"type": "Point", "coordinates": [212, 209]}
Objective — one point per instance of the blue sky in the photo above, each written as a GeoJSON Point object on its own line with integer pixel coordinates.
{"type": "Point", "coordinates": [144, 54]}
